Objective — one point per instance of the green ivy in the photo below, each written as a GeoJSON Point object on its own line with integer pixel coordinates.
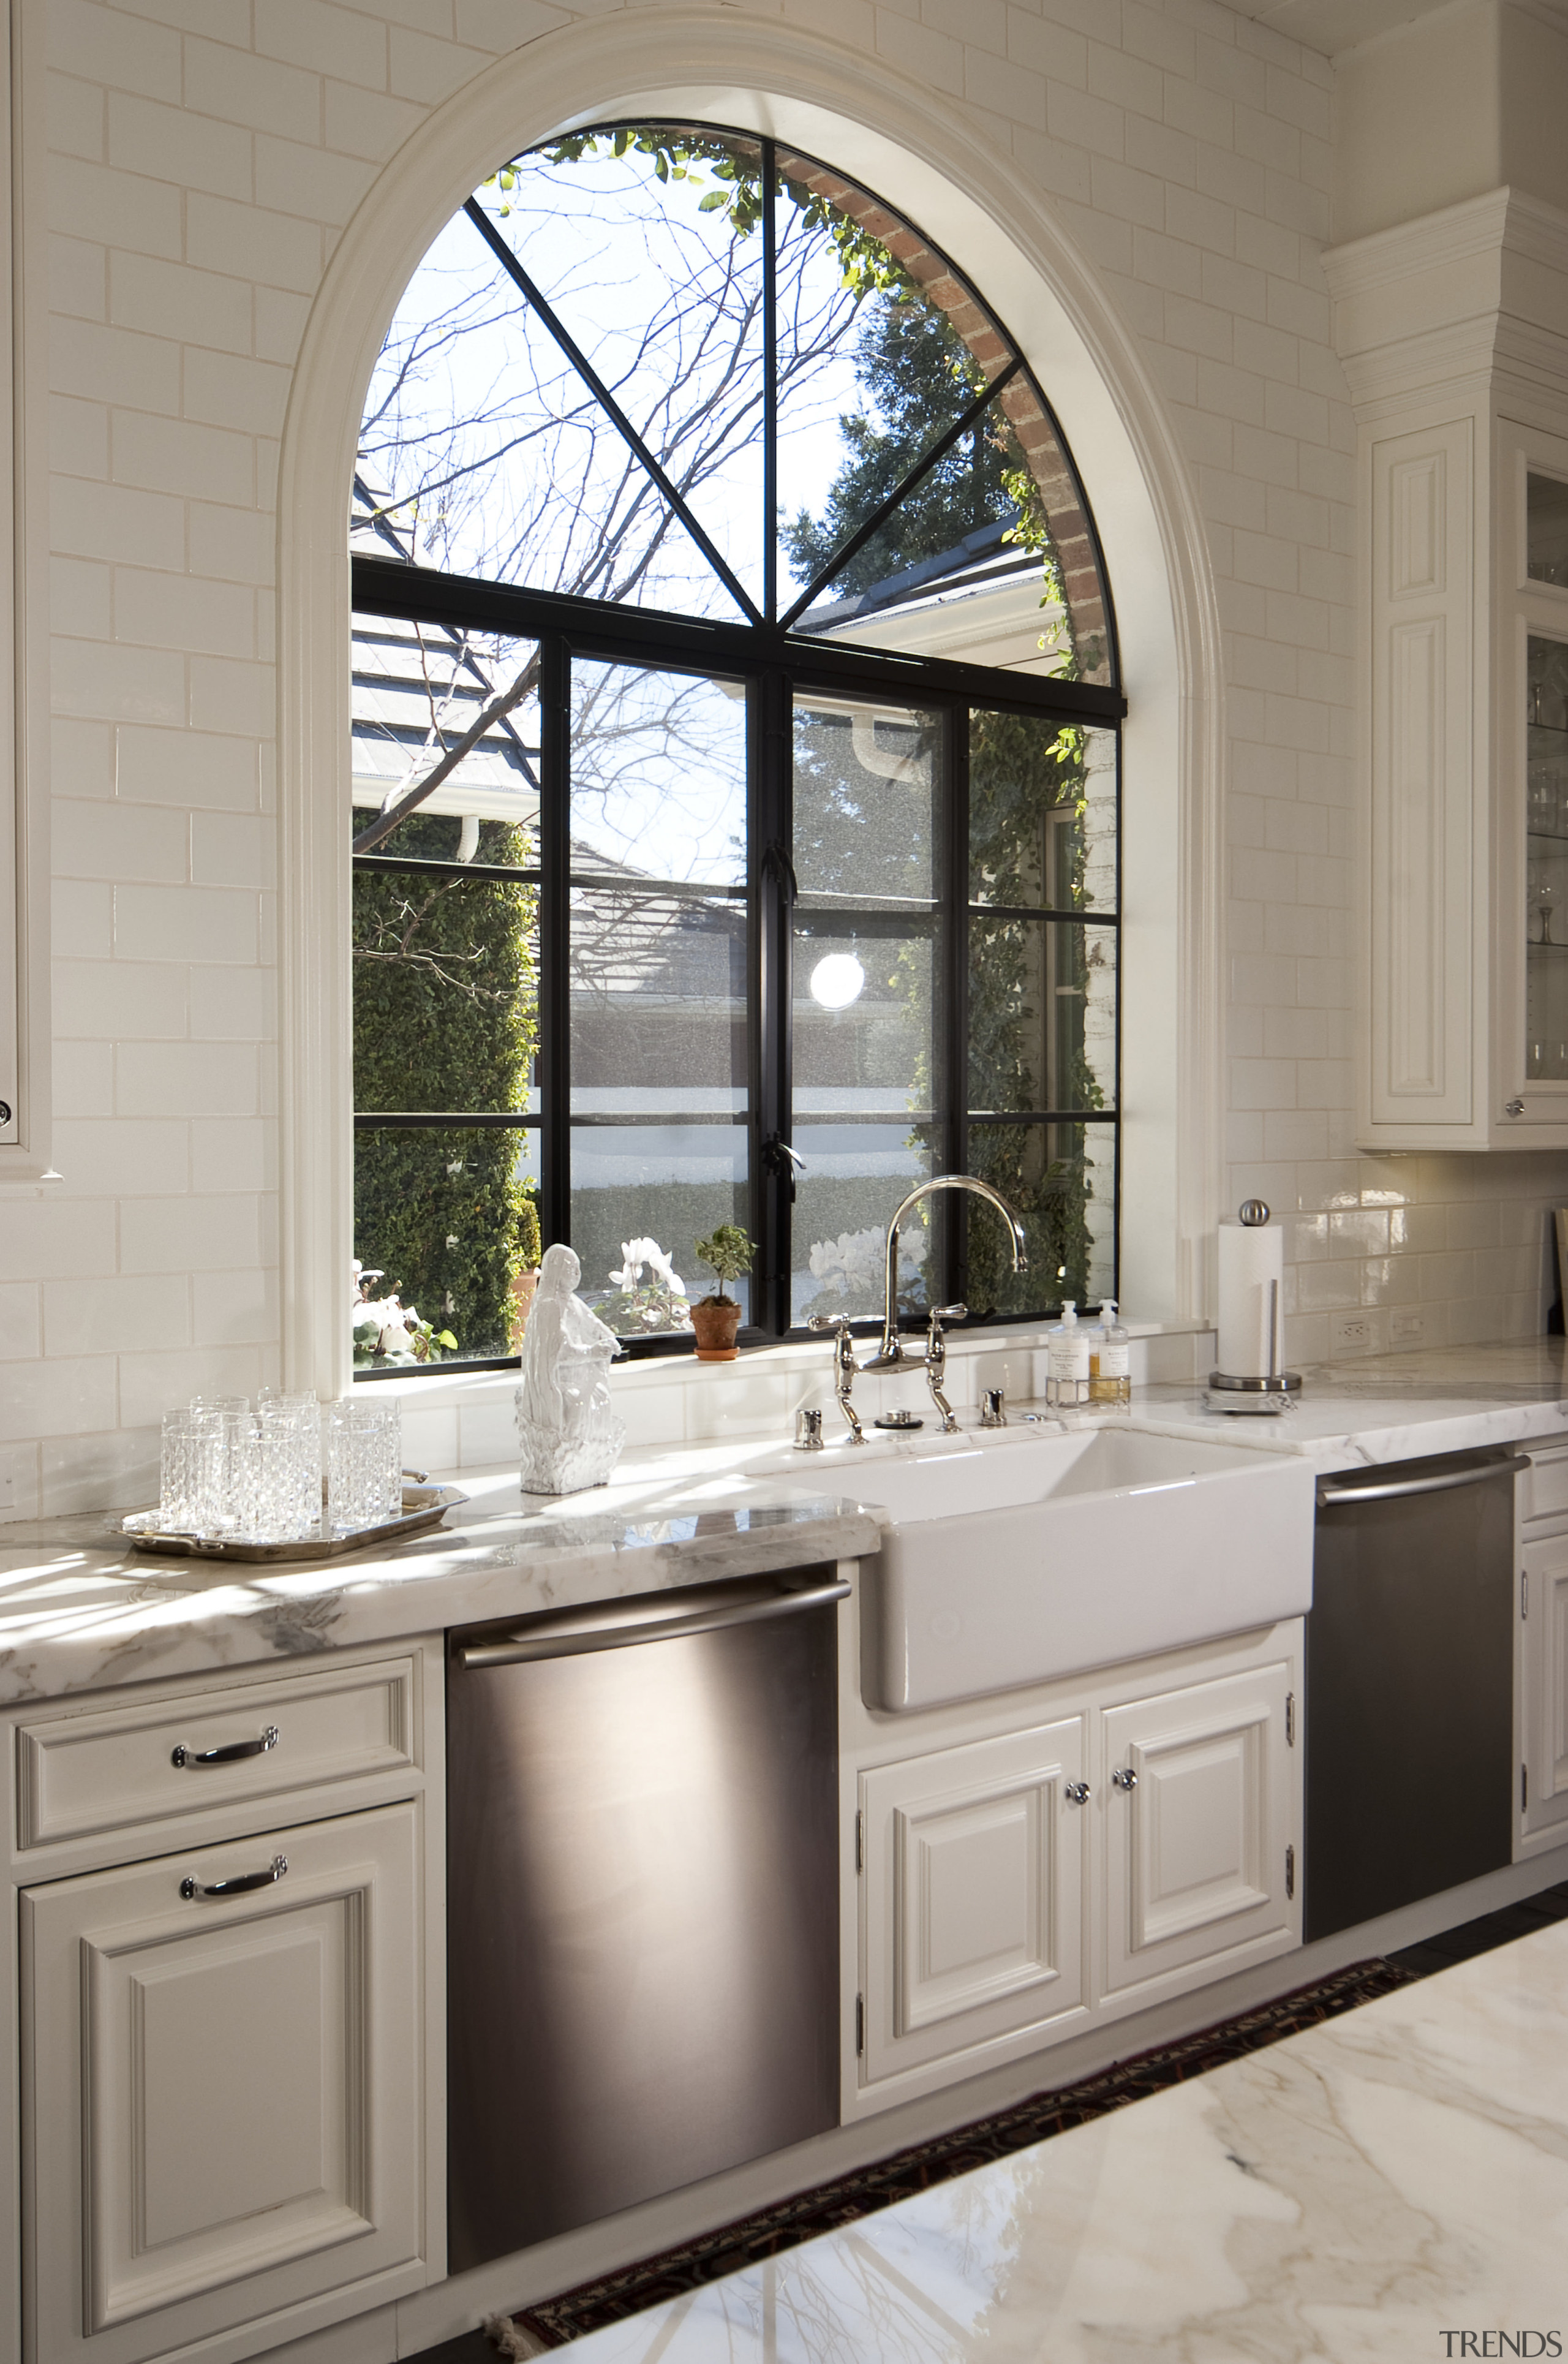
{"type": "Point", "coordinates": [446, 1016]}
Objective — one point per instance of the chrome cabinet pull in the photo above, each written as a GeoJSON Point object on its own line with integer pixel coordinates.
{"type": "Point", "coordinates": [1125, 1777]}
{"type": "Point", "coordinates": [1077, 1792]}
{"type": "Point", "coordinates": [241, 1886]}
{"type": "Point", "coordinates": [185, 1756]}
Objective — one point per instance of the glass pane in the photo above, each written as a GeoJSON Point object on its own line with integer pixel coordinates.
{"type": "Point", "coordinates": [864, 1038]}
{"type": "Point", "coordinates": [1061, 1179]}
{"type": "Point", "coordinates": [446, 985]}
{"type": "Point", "coordinates": [658, 774]}
{"type": "Point", "coordinates": [665, 1184]}
{"type": "Point", "coordinates": [648, 247]}
{"type": "Point", "coordinates": [449, 1219]}
{"type": "Point", "coordinates": [484, 453]}
{"type": "Point", "coordinates": [857, 1172]}
{"type": "Point", "coordinates": [417, 690]}
{"type": "Point", "coordinates": [1546, 871]}
{"type": "Point", "coordinates": [869, 798]}
{"type": "Point", "coordinates": [1042, 813]}
{"type": "Point", "coordinates": [1041, 1015]}
{"type": "Point", "coordinates": [872, 372]}
{"type": "Point", "coordinates": [1547, 511]}
{"type": "Point", "coordinates": [658, 1003]}
{"type": "Point", "coordinates": [881, 348]}
{"type": "Point", "coordinates": [950, 542]}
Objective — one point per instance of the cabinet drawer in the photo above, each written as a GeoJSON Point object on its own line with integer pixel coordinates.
{"type": "Point", "coordinates": [79, 1775]}
{"type": "Point", "coordinates": [1543, 1486]}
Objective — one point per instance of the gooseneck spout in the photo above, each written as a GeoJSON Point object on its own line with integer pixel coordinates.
{"type": "Point", "coordinates": [891, 1353]}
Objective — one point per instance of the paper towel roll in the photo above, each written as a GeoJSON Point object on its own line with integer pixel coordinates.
{"type": "Point", "coordinates": [1251, 1255]}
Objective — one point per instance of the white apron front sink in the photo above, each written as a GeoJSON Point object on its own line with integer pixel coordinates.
{"type": "Point", "coordinates": [1015, 1561]}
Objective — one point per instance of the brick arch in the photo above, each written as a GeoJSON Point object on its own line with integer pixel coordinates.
{"type": "Point", "coordinates": [1056, 479]}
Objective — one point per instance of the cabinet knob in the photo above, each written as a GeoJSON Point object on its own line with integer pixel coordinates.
{"type": "Point", "coordinates": [1077, 1793]}
{"type": "Point", "coordinates": [1125, 1777]}
{"type": "Point", "coordinates": [1514, 1107]}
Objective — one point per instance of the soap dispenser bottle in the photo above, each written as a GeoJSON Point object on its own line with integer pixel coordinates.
{"type": "Point", "coordinates": [1067, 1362]}
{"type": "Point", "coordinates": [1110, 1359]}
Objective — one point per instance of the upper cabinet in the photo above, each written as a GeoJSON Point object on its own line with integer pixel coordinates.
{"type": "Point", "coordinates": [1454, 331]}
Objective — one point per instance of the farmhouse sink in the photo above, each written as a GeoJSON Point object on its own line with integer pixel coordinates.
{"type": "Point", "coordinates": [1014, 1561]}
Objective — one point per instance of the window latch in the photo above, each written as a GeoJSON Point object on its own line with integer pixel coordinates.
{"type": "Point", "coordinates": [777, 859]}
{"type": "Point", "coordinates": [780, 1159]}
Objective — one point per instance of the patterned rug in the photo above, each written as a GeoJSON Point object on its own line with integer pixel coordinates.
{"type": "Point", "coordinates": [552, 2322]}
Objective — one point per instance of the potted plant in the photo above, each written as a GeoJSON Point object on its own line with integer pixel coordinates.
{"type": "Point", "coordinates": [715, 1319]}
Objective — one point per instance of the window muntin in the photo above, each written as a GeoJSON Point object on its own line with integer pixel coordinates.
{"type": "Point", "coordinates": [780, 890]}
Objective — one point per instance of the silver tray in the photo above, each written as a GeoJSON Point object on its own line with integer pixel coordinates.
{"type": "Point", "coordinates": [423, 1507]}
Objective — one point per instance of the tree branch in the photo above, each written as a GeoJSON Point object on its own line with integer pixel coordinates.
{"type": "Point", "coordinates": [388, 818]}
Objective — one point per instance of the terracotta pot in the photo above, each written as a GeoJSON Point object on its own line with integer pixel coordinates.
{"type": "Point", "coordinates": [714, 1323]}
{"type": "Point", "coordinates": [523, 1288]}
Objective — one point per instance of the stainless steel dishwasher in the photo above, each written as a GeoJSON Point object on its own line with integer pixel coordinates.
{"type": "Point", "coordinates": [642, 1900]}
{"type": "Point", "coordinates": [1409, 1684]}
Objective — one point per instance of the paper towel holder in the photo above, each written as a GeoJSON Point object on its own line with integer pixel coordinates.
{"type": "Point", "coordinates": [1277, 1390]}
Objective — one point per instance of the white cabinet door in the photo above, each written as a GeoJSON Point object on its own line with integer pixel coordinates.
{"type": "Point", "coordinates": [1544, 1702]}
{"type": "Point", "coordinates": [973, 1871]}
{"type": "Point", "coordinates": [224, 2092]}
{"type": "Point", "coordinates": [1197, 1815]}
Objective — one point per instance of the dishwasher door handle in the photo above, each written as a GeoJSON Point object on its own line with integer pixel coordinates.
{"type": "Point", "coordinates": [1329, 1495]}
{"type": "Point", "coordinates": [576, 1641]}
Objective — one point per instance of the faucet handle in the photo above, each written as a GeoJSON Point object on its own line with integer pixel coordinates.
{"type": "Point", "coordinates": [947, 1313]}
{"type": "Point", "coordinates": [838, 1322]}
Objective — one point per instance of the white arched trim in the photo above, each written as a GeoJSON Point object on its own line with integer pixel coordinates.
{"type": "Point", "coordinates": [908, 145]}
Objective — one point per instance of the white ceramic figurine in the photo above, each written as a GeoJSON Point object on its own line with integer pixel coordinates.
{"type": "Point", "coordinates": [569, 1436]}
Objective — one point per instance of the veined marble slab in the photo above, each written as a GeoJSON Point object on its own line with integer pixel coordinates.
{"type": "Point", "coordinates": [79, 1611]}
{"type": "Point", "coordinates": [1375, 1408]}
{"type": "Point", "coordinates": [1352, 2194]}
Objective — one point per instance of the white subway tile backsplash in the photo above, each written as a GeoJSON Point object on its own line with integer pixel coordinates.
{"type": "Point", "coordinates": [206, 923]}
{"type": "Point", "coordinates": [206, 1079]}
{"type": "Point", "coordinates": [190, 1234]}
{"type": "Point", "coordinates": [110, 1316]}
{"type": "Point", "coordinates": [233, 1154]}
{"type": "Point", "coordinates": [57, 1396]}
{"type": "Point", "coordinates": [121, 1157]}
{"type": "Point", "coordinates": [166, 143]}
{"type": "Point", "coordinates": [151, 1384]}
{"type": "Point", "coordinates": [188, 769]}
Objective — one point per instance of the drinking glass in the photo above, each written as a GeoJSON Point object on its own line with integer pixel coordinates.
{"type": "Point", "coordinates": [289, 1477]}
{"type": "Point", "coordinates": [191, 1471]}
{"type": "Point", "coordinates": [364, 1463]}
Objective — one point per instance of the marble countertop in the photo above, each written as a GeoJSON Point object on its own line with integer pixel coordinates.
{"type": "Point", "coordinates": [1392, 1407]}
{"type": "Point", "coordinates": [1351, 2194]}
{"type": "Point", "coordinates": [80, 1610]}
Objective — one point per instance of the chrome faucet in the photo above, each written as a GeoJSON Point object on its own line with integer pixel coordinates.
{"type": "Point", "coordinates": [891, 1355]}
{"type": "Point", "coordinates": [936, 1362]}
{"type": "Point", "coordinates": [844, 1367]}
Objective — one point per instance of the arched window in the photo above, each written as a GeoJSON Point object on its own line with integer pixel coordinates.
{"type": "Point", "coordinates": [735, 788]}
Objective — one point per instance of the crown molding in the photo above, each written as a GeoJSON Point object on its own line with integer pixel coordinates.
{"type": "Point", "coordinates": [1456, 234]}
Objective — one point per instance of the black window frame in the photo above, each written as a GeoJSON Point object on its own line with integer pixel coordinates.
{"type": "Point", "coordinates": [776, 664]}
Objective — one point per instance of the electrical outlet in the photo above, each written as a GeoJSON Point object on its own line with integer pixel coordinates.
{"type": "Point", "coordinates": [1407, 1329]}
{"type": "Point", "coordinates": [1350, 1333]}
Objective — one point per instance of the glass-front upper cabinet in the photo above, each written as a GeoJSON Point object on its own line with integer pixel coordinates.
{"type": "Point", "coordinates": [1546, 869]}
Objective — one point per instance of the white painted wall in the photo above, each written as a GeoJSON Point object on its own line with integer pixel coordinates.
{"type": "Point", "coordinates": [204, 156]}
